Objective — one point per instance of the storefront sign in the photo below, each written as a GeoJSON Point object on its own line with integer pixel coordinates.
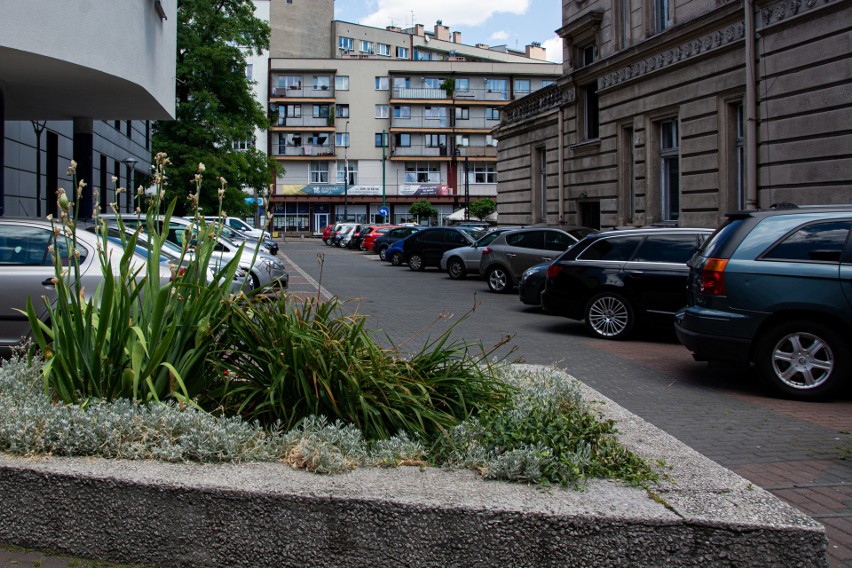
{"type": "Point", "coordinates": [424, 190]}
{"type": "Point", "coordinates": [318, 189]}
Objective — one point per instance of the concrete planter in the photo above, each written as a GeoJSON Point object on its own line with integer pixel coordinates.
{"type": "Point", "coordinates": [266, 514]}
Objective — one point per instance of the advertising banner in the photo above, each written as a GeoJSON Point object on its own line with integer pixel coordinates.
{"type": "Point", "coordinates": [320, 189]}
{"type": "Point", "coordinates": [424, 190]}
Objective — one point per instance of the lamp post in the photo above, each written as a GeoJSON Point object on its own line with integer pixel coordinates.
{"type": "Point", "coordinates": [466, 190]}
{"type": "Point", "coordinates": [38, 126]}
{"type": "Point", "coordinates": [346, 175]}
{"type": "Point", "coordinates": [131, 204]}
{"type": "Point", "coordinates": [384, 181]}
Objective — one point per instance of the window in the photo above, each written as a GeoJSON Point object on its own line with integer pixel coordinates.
{"type": "Point", "coordinates": [526, 239]}
{"type": "Point", "coordinates": [434, 113]}
{"type": "Point", "coordinates": [462, 113]}
{"type": "Point", "coordinates": [381, 139]}
{"type": "Point", "coordinates": [586, 54]}
{"type": "Point", "coordinates": [319, 172]}
{"type": "Point", "coordinates": [289, 81]}
{"type": "Point", "coordinates": [243, 144]}
{"type": "Point", "coordinates": [462, 84]}
{"type": "Point", "coordinates": [381, 83]}
{"type": "Point", "coordinates": [623, 18]}
{"type": "Point", "coordinates": [547, 83]}
{"type": "Point", "coordinates": [675, 249]}
{"type": "Point", "coordinates": [352, 166]}
{"type": "Point", "coordinates": [402, 139]}
{"type": "Point", "coordinates": [816, 242]}
{"type": "Point", "coordinates": [669, 170]}
{"type": "Point", "coordinates": [341, 83]}
{"type": "Point", "coordinates": [401, 111]}
{"type": "Point", "coordinates": [432, 82]}
{"type": "Point", "coordinates": [366, 46]}
{"type": "Point", "coordinates": [288, 111]}
{"type": "Point", "coordinates": [555, 240]}
{"type": "Point", "coordinates": [422, 172]}
{"type": "Point", "coordinates": [346, 44]}
{"type": "Point", "coordinates": [615, 249]}
{"type": "Point", "coordinates": [322, 82]}
{"type": "Point", "coordinates": [522, 86]}
{"type": "Point", "coordinates": [496, 86]}
{"type": "Point", "coordinates": [490, 140]}
{"type": "Point", "coordinates": [342, 111]}
{"type": "Point", "coordinates": [739, 149]}
{"type": "Point", "coordinates": [341, 139]}
{"type": "Point", "coordinates": [402, 52]}
{"type": "Point", "coordinates": [591, 124]}
{"type": "Point", "coordinates": [492, 113]}
{"type": "Point", "coordinates": [321, 111]}
{"type": "Point", "coordinates": [401, 82]}
{"type": "Point", "coordinates": [661, 15]}
{"type": "Point", "coordinates": [481, 173]}
{"type": "Point", "coordinates": [249, 71]}
{"type": "Point", "coordinates": [462, 140]}
{"type": "Point", "coordinates": [435, 140]}
{"type": "Point", "coordinates": [382, 111]}
{"type": "Point", "coordinates": [383, 49]}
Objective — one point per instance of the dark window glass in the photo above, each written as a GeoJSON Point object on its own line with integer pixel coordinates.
{"type": "Point", "coordinates": [554, 240]}
{"type": "Point", "coordinates": [817, 242]}
{"type": "Point", "coordinates": [616, 248]}
{"type": "Point", "coordinates": [457, 238]}
{"type": "Point", "coordinates": [527, 239]}
{"type": "Point", "coordinates": [436, 236]}
{"type": "Point", "coordinates": [667, 248]}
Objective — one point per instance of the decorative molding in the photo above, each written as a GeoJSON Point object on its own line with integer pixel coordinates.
{"type": "Point", "coordinates": [785, 9]}
{"type": "Point", "coordinates": [538, 103]}
{"type": "Point", "coordinates": [685, 51]}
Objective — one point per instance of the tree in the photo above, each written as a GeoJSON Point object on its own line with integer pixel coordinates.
{"type": "Point", "coordinates": [215, 106]}
{"type": "Point", "coordinates": [422, 209]}
{"type": "Point", "coordinates": [482, 208]}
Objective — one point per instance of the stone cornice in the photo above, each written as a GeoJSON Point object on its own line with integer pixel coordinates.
{"type": "Point", "coordinates": [665, 58]}
{"type": "Point", "coordinates": [537, 103]}
{"type": "Point", "coordinates": [785, 9]}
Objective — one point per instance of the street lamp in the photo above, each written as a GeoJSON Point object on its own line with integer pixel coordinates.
{"type": "Point", "coordinates": [130, 163]}
{"type": "Point", "coordinates": [466, 184]}
{"type": "Point", "coordinates": [38, 126]}
{"type": "Point", "coordinates": [346, 174]}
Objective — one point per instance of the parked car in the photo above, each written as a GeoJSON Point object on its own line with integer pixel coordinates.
{"type": "Point", "coordinates": [427, 246]}
{"type": "Point", "coordinates": [345, 236]}
{"type": "Point", "coordinates": [239, 225]}
{"type": "Point", "coordinates": [326, 232]}
{"type": "Point", "coordinates": [359, 236]}
{"type": "Point", "coordinates": [381, 244]}
{"type": "Point", "coordinates": [613, 280]}
{"type": "Point", "coordinates": [341, 232]}
{"type": "Point", "coordinates": [267, 245]}
{"type": "Point", "coordinates": [375, 232]}
{"type": "Point", "coordinates": [531, 284]}
{"type": "Point", "coordinates": [26, 270]}
{"type": "Point", "coordinates": [773, 288]}
{"type": "Point", "coordinates": [460, 262]}
{"type": "Point", "coordinates": [505, 259]}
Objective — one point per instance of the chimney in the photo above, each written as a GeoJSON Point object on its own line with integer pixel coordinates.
{"type": "Point", "coordinates": [482, 45]}
{"type": "Point", "coordinates": [442, 32]}
{"type": "Point", "coordinates": [535, 51]}
{"type": "Point", "coordinates": [457, 37]}
{"type": "Point", "coordinates": [419, 30]}
{"type": "Point", "coordinates": [393, 29]}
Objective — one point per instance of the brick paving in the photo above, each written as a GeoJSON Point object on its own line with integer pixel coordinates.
{"type": "Point", "coordinates": [801, 452]}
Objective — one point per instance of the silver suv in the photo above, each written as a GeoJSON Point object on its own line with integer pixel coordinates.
{"type": "Point", "coordinates": [510, 254]}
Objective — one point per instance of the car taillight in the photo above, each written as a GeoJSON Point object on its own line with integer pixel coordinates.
{"type": "Point", "coordinates": [712, 280]}
{"type": "Point", "coordinates": [553, 270]}
{"type": "Point", "coordinates": [487, 250]}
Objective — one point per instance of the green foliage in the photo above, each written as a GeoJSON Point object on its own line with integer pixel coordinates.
{"type": "Point", "coordinates": [215, 105]}
{"type": "Point", "coordinates": [423, 210]}
{"type": "Point", "coordinates": [482, 208]}
{"type": "Point", "coordinates": [143, 334]}
{"type": "Point", "coordinates": [548, 435]}
{"type": "Point", "coordinates": [283, 361]}
{"type": "Point", "coordinates": [449, 85]}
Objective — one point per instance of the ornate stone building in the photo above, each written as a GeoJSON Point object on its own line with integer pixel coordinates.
{"type": "Point", "coordinates": [676, 111]}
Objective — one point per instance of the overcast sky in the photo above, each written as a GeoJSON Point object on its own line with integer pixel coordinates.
{"type": "Point", "coordinates": [514, 23]}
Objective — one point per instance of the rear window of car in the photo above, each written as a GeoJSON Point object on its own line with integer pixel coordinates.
{"type": "Point", "coordinates": [526, 239]}
{"type": "Point", "coordinates": [712, 247]}
{"type": "Point", "coordinates": [613, 249]}
{"type": "Point", "coordinates": [675, 249]}
{"type": "Point", "coordinates": [558, 241]}
{"type": "Point", "coordinates": [815, 242]}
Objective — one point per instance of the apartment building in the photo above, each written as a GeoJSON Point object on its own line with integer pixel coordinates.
{"type": "Point", "coordinates": [368, 118]}
{"type": "Point", "coordinates": [80, 83]}
{"type": "Point", "coordinates": [677, 111]}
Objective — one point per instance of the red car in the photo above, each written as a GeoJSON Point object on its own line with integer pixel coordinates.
{"type": "Point", "coordinates": [326, 233]}
{"type": "Point", "coordinates": [375, 232]}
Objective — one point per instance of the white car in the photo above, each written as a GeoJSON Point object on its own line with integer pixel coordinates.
{"type": "Point", "coordinates": [242, 226]}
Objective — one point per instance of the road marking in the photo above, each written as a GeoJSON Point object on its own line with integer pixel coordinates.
{"type": "Point", "coordinates": [325, 294]}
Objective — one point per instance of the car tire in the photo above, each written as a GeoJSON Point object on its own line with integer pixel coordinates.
{"type": "Point", "coordinates": [456, 269]}
{"type": "Point", "coordinates": [803, 360]}
{"type": "Point", "coordinates": [499, 280]}
{"type": "Point", "coordinates": [609, 315]}
{"type": "Point", "coordinates": [255, 281]}
{"type": "Point", "coordinates": [396, 259]}
{"type": "Point", "coordinates": [383, 253]}
{"type": "Point", "coordinates": [415, 263]}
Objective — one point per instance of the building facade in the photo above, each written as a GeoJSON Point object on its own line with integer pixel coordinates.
{"type": "Point", "coordinates": [367, 118]}
{"type": "Point", "coordinates": [81, 83]}
{"type": "Point", "coordinates": [675, 112]}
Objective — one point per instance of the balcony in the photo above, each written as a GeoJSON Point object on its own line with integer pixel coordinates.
{"type": "Point", "coordinates": [300, 92]}
{"type": "Point", "coordinates": [469, 95]}
{"type": "Point", "coordinates": [304, 151]}
{"type": "Point", "coordinates": [420, 151]}
{"type": "Point", "coordinates": [422, 123]}
{"type": "Point", "coordinates": [304, 122]}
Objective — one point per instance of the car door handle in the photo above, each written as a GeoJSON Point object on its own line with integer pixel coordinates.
{"type": "Point", "coordinates": [635, 273]}
{"type": "Point", "coordinates": [48, 282]}
{"type": "Point", "coordinates": [511, 255]}
{"type": "Point", "coordinates": [546, 258]}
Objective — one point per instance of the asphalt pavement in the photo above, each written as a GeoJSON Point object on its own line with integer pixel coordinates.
{"type": "Point", "coordinates": [801, 452]}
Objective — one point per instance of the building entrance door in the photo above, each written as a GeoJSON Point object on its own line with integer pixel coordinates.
{"type": "Point", "coordinates": [590, 214]}
{"type": "Point", "coordinates": [320, 221]}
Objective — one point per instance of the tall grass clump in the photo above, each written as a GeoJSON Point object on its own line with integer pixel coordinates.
{"type": "Point", "coordinates": [282, 360]}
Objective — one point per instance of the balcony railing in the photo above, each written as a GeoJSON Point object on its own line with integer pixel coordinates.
{"type": "Point", "coordinates": [298, 92]}
{"type": "Point", "coordinates": [305, 150]}
{"type": "Point", "coordinates": [420, 150]}
{"type": "Point", "coordinates": [479, 122]}
{"type": "Point", "coordinates": [306, 121]}
{"type": "Point", "coordinates": [466, 95]}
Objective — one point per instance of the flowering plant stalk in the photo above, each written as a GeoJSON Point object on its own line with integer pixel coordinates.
{"type": "Point", "coordinates": [145, 332]}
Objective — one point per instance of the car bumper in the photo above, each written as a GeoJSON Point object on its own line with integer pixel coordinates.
{"type": "Point", "coordinates": [560, 306]}
{"type": "Point", "coordinates": [707, 334]}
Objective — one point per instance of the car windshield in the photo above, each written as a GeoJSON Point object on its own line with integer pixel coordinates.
{"type": "Point", "coordinates": [488, 239]}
